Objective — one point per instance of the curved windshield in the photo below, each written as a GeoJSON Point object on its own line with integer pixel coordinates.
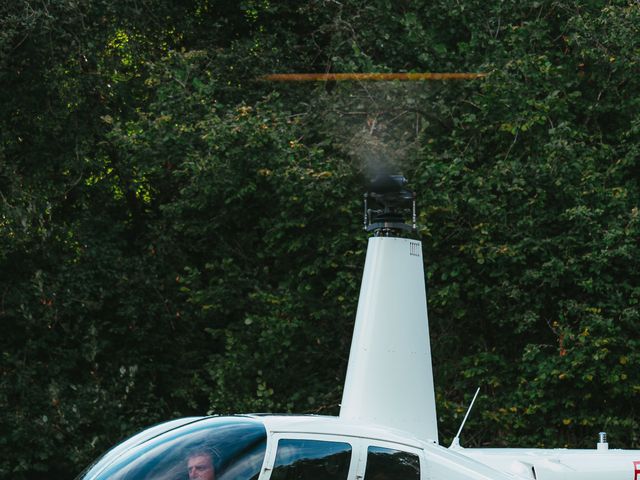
{"type": "Point", "coordinates": [220, 448]}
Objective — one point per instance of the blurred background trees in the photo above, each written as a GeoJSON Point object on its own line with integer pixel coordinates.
{"type": "Point", "coordinates": [178, 238]}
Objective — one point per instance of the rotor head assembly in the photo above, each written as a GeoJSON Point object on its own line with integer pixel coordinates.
{"type": "Point", "coordinates": [387, 204]}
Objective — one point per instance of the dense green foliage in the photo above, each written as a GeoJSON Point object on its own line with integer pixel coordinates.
{"type": "Point", "coordinates": [178, 238]}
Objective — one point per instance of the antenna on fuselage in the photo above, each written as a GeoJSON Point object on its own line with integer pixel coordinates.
{"type": "Point", "coordinates": [455, 443]}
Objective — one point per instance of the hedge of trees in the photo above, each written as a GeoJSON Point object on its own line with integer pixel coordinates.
{"type": "Point", "coordinates": [178, 237]}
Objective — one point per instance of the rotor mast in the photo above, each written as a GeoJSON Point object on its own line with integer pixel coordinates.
{"type": "Point", "coordinates": [389, 378]}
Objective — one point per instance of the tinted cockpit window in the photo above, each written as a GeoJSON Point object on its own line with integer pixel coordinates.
{"type": "Point", "coordinates": [311, 460]}
{"type": "Point", "coordinates": [231, 448]}
{"type": "Point", "coordinates": [389, 464]}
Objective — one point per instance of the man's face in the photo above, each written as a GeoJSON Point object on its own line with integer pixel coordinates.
{"type": "Point", "coordinates": [200, 467]}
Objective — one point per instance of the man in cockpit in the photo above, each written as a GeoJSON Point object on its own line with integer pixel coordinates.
{"type": "Point", "coordinates": [200, 465]}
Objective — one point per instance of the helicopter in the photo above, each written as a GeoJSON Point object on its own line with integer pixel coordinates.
{"type": "Point", "coordinates": [387, 424]}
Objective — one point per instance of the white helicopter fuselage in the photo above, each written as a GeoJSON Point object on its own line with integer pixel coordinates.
{"type": "Point", "coordinates": [387, 426]}
{"type": "Point", "coordinates": [440, 463]}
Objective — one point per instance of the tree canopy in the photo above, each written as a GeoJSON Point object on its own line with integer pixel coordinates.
{"type": "Point", "coordinates": [178, 237]}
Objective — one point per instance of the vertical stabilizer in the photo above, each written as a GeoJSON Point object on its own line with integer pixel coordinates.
{"type": "Point", "coordinates": [389, 379]}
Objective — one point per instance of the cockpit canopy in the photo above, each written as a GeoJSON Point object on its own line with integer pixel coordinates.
{"type": "Point", "coordinates": [235, 445]}
{"type": "Point", "coordinates": [257, 448]}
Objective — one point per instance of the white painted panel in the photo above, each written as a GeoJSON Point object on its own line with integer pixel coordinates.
{"type": "Point", "coordinates": [389, 379]}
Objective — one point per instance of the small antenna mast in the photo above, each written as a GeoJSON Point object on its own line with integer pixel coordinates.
{"type": "Point", "coordinates": [455, 443]}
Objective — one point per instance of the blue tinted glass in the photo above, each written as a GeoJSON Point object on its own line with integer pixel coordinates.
{"type": "Point", "coordinates": [311, 460]}
{"type": "Point", "coordinates": [234, 447]}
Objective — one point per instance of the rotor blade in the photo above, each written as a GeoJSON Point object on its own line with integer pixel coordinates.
{"type": "Point", "coordinates": [324, 77]}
